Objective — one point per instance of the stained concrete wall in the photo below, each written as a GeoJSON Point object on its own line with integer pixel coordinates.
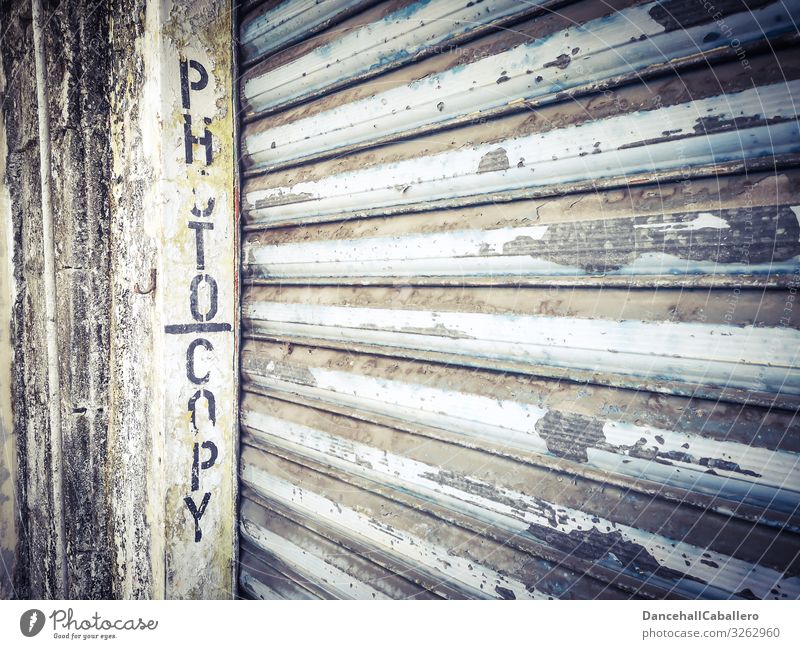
{"type": "Point", "coordinates": [134, 429]}
{"type": "Point", "coordinates": [77, 80]}
{"type": "Point", "coordinates": [155, 188]}
{"type": "Point", "coordinates": [113, 72]}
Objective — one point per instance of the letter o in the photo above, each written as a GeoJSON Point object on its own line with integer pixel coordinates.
{"type": "Point", "coordinates": [194, 298]}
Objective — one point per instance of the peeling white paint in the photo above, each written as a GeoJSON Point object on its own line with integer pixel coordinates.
{"type": "Point", "coordinates": [774, 468]}
{"type": "Point", "coordinates": [257, 589]}
{"type": "Point", "coordinates": [496, 252]}
{"type": "Point", "coordinates": [461, 243]}
{"type": "Point", "coordinates": [733, 487]}
{"type": "Point", "coordinates": [703, 220]}
{"type": "Point", "coordinates": [657, 264]}
{"type": "Point", "coordinates": [551, 157]}
{"type": "Point", "coordinates": [606, 47]}
{"type": "Point", "coordinates": [714, 355]}
{"type": "Point", "coordinates": [395, 38]}
{"type": "Point", "coordinates": [513, 425]}
{"type": "Point", "coordinates": [508, 422]}
{"type": "Point", "coordinates": [664, 264]}
{"type": "Point", "coordinates": [263, 32]}
{"type": "Point", "coordinates": [337, 582]}
{"type": "Point", "coordinates": [429, 482]}
{"type": "Point", "coordinates": [440, 563]}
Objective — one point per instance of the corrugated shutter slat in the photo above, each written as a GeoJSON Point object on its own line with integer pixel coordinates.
{"type": "Point", "coordinates": [518, 300]}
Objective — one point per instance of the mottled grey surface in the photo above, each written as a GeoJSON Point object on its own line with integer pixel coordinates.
{"type": "Point", "coordinates": [78, 51]}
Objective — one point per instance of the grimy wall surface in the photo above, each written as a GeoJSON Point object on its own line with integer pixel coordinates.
{"type": "Point", "coordinates": [77, 79]}
{"type": "Point", "coordinates": [137, 99]}
{"type": "Point", "coordinates": [519, 302]}
{"type": "Point", "coordinates": [9, 519]}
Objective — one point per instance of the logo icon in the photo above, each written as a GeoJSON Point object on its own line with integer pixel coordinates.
{"type": "Point", "coordinates": [31, 622]}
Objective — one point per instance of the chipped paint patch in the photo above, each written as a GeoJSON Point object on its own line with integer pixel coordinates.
{"type": "Point", "coordinates": [703, 220]}
{"type": "Point", "coordinates": [495, 160]}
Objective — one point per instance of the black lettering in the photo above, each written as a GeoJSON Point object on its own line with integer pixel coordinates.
{"type": "Point", "coordinates": [205, 212]}
{"type": "Point", "coordinates": [190, 139]}
{"type": "Point", "coordinates": [198, 227]}
{"type": "Point", "coordinates": [197, 465]}
{"type": "Point", "coordinates": [197, 328]}
{"type": "Point", "coordinates": [197, 513]}
{"type": "Point", "coordinates": [197, 342]}
{"type": "Point", "coordinates": [212, 408]}
{"type": "Point", "coordinates": [201, 83]}
{"type": "Point", "coordinates": [194, 298]}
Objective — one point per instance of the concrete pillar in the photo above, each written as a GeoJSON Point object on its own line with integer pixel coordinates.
{"type": "Point", "coordinates": [76, 83]}
{"type": "Point", "coordinates": [173, 417]}
{"type": "Point", "coordinates": [141, 126]}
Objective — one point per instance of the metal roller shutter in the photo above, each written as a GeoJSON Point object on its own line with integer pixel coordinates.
{"type": "Point", "coordinates": [519, 299]}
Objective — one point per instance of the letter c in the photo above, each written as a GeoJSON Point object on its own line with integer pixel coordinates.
{"type": "Point", "coordinates": [199, 342]}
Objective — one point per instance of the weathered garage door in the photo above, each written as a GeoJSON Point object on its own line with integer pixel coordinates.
{"type": "Point", "coordinates": [519, 299]}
